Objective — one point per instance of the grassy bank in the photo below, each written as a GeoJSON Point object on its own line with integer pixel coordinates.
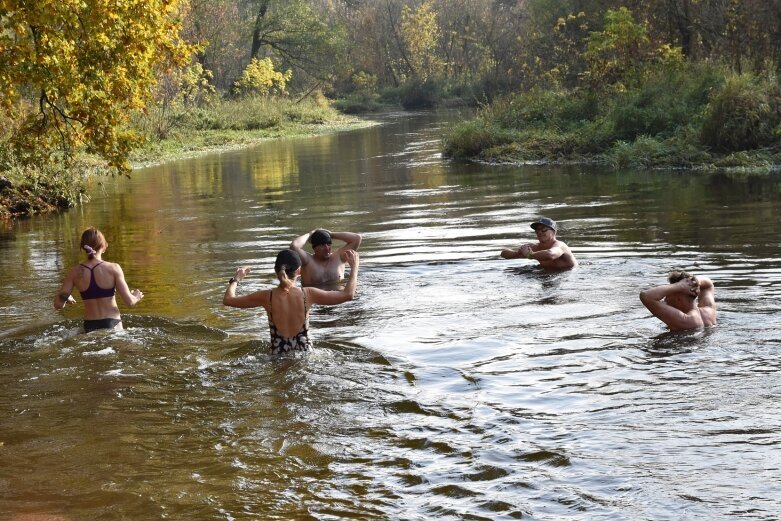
{"type": "Point", "coordinates": [30, 187]}
{"type": "Point", "coordinates": [696, 117]}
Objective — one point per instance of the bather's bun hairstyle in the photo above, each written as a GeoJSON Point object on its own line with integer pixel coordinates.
{"type": "Point", "coordinates": [92, 241]}
{"type": "Point", "coordinates": [285, 267]}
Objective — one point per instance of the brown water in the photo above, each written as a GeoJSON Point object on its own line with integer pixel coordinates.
{"type": "Point", "coordinates": [456, 386]}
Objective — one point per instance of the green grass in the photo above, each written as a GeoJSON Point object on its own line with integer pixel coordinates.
{"type": "Point", "coordinates": [700, 116]}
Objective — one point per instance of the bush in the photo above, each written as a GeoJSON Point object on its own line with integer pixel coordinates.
{"type": "Point", "coordinates": [471, 138]}
{"type": "Point", "coordinates": [744, 115]}
{"type": "Point", "coordinates": [666, 100]}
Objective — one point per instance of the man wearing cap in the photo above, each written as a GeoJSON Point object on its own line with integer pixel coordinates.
{"type": "Point", "coordinates": [552, 254]}
{"type": "Point", "coordinates": [323, 267]}
{"type": "Point", "coordinates": [687, 302]}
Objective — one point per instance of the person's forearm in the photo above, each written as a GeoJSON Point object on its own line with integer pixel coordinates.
{"type": "Point", "coordinates": [230, 292]}
{"type": "Point", "coordinates": [60, 300]}
{"type": "Point", "coordinates": [353, 239]}
{"type": "Point", "coordinates": [300, 242]}
{"type": "Point", "coordinates": [658, 292]}
{"type": "Point", "coordinates": [352, 283]}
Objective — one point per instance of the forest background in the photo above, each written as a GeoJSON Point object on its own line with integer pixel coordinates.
{"type": "Point", "coordinates": [93, 86]}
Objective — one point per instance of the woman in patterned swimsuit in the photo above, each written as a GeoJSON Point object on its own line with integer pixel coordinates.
{"type": "Point", "coordinates": [287, 305]}
{"type": "Point", "coordinates": [97, 281]}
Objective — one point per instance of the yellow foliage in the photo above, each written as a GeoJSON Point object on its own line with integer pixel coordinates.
{"type": "Point", "coordinates": [421, 35]}
{"type": "Point", "coordinates": [260, 78]}
{"type": "Point", "coordinates": [85, 65]}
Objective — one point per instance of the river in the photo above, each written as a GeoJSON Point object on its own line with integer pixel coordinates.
{"type": "Point", "coordinates": [456, 385]}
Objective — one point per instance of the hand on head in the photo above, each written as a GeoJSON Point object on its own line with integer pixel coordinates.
{"type": "Point", "coordinates": [689, 285]}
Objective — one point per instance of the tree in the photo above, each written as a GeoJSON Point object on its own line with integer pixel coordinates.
{"type": "Point", "coordinates": [421, 36]}
{"type": "Point", "coordinates": [71, 71]}
{"type": "Point", "coordinates": [297, 35]}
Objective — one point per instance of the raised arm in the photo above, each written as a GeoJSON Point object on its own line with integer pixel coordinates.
{"type": "Point", "coordinates": [297, 245]}
{"type": "Point", "coordinates": [330, 298]}
{"type": "Point", "coordinates": [707, 297]}
{"type": "Point", "coordinates": [130, 298]}
{"type": "Point", "coordinates": [63, 295]}
{"type": "Point", "coordinates": [253, 300]}
{"type": "Point", "coordinates": [352, 240]}
{"type": "Point", "coordinates": [653, 300]}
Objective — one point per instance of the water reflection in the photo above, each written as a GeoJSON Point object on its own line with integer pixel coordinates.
{"type": "Point", "coordinates": [457, 385]}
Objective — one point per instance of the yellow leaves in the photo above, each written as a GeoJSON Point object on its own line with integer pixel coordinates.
{"type": "Point", "coordinates": [421, 34]}
{"type": "Point", "coordinates": [94, 59]}
{"type": "Point", "coordinates": [260, 78]}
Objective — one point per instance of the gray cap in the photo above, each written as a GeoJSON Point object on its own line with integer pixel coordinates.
{"type": "Point", "coordinates": [550, 223]}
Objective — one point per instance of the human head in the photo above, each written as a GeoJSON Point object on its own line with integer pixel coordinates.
{"type": "Point", "coordinates": [286, 266]}
{"type": "Point", "coordinates": [319, 237]}
{"type": "Point", "coordinates": [321, 244]}
{"type": "Point", "coordinates": [679, 275]}
{"type": "Point", "coordinates": [93, 242]}
{"type": "Point", "coordinates": [683, 300]}
{"type": "Point", "coordinates": [547, 222]}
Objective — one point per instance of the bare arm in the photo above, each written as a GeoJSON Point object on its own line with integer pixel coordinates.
{"type": "Point", "coordinates": [330, 298]}
{"type": "Point", "coordinates": [653, 300]}
{"type": "Point", "coordinates": [129, 297]}
{"type": "Point", "coordinates": [522, 252]}
{"type": "Point", "coordinates": [63, 295]}
{"type": "Point", "coordinates": [297, 245]}
{"type": "Point", "coordinates": [253, 300]}
{"type": "Point", "coordinates": [547, 255]}
{"type": "Point", "coordinates": [352, 240]}
{"type": "Point", "coordinates": [707, 297]}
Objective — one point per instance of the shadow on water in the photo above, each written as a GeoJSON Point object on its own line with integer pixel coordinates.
{"type": "Point", "coordinates": [673, 343]}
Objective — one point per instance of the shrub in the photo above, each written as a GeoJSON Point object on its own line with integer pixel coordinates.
{"type": "Point", "coordinates": [470, 138]}
{"type": "Point", "coordinates": [744, 115]}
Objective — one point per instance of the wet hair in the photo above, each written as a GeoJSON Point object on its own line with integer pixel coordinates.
{"type": "Point", "coordinates": [319, 237]}
{"type": "Point", "coordinates": [676, 276]}
{"type": "Point", "coordinates": [679, 275]}
{"type": "Point", "coordinates": [92, 241]}
{"type": "Point", "coordinates": [285, 267]}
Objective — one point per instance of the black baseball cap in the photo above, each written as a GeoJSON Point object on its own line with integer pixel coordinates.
{"type": "Point", "coordinates": [550, 223]}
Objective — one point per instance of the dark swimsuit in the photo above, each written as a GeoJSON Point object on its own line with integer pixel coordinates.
{"type": "Point", "coordinates": [92, 292]}
{"type": "Point", "coordinates": [284, 344]}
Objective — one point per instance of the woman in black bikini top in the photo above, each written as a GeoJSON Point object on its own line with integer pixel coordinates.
{"type": "Point", "coordinates": [97, 282]}
{"type": "Point", "coordinates": [287, 305]}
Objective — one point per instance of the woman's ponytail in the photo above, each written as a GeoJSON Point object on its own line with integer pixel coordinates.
{"type": "Point", "coordinates": [284, 281]}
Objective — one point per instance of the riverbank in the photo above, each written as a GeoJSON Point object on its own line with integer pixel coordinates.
{"type": "Point", "coordinates": [166, 136]}
{"type": "Point", "coordinates": [698, 117]}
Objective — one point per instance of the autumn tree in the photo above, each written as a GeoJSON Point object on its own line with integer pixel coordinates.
{"type": "Point", "coordinates": [71, 71]}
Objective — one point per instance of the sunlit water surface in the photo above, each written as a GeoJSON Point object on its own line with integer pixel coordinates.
{"type": "Point", "coordinates": [456, 386]}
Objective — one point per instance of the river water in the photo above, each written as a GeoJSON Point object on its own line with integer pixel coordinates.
{"type": "Point", "coordinates": [457, 385]}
